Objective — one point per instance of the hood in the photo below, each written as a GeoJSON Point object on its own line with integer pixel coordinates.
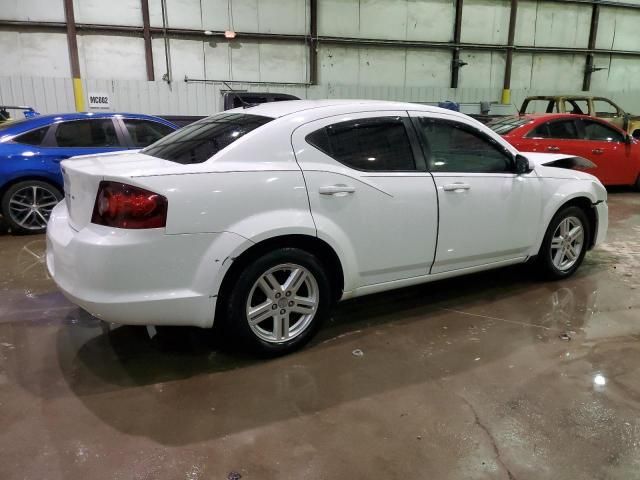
{"type": "Point", "coordinates": [554, 165]}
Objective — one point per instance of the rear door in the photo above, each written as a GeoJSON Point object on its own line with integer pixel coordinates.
{"type": "Point", "coordinates": [555, 136]}
{"type": "Point", "coordinates": [81, 137]}
{"type": "Point", "coordinates": [369, 193]}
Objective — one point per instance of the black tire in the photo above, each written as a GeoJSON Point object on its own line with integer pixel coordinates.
{"type": "Point", "coordinates": [52, 195]}
{"type": "Point", "coordinates": [236, 322]}
{"type": "Point", "coordinates": [545, 255]}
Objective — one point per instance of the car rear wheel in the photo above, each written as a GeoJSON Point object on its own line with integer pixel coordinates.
{"type": "Point", "coordinates": [27, 205]}
{"type": "Point", "coordinates": [279, 302]}
{"type": "Point", "coordinates": [565, 243]}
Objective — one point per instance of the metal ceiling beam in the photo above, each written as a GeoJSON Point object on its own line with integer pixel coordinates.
{"type": "Point", "coordinates": [593, 34]}
{"type": "Point", "coordinates": [146, 33]}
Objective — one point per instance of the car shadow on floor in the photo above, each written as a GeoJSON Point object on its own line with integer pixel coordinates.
{"type": "Point", "coordinates": [185, 385]}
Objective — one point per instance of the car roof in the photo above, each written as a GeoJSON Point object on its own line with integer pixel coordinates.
{"type": "Point", "coordinates": [324, 107]}
{"type": "Point", "coordinates": [22, 125]}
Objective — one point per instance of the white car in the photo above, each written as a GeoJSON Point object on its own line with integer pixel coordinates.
{"type": "Point", "coordinates": [261, 218]}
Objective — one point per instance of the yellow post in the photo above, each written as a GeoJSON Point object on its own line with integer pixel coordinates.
{"type": "Point", "coordinates": [78, 94]}
{"type": "Point", "coordinates": [506, 96]}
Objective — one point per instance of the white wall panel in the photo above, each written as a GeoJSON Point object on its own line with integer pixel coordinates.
{"type": "Point", "coordinates": [180, 14]}
{"type": "Point", "coordinates": [428, 68]}
{"type": "Point", "coordinates": [483, 69]}
{"type": "Point", "coordinates": [485, 21]}
{"type": "Point", "coordinates": [36, 54]}
{"type": "Point", "coordinates": [217, 60]}
{"type": "Point", "coordinates": [32, 10]}
{"type": "Point", "coordinates": [383, 19]}
{"type": "Point", "coordinates": [339, 18]}
{"type": "Point", "coordinates": [382, 66]}
{"type": "Point", "coordinates": [111, 57]}
{"type": "Point", "coordinates": [618, 29]}
{"type": "Point", "coordinates": [430, 20]}
{"type": "Point", "coordinates": [558, 73]}
{"type": "Point", "coordinates": [338, 65]}
{"type": "Point", "coordinates": [112, 12]}
{"type": "Point", "coordinates": [562, 25]}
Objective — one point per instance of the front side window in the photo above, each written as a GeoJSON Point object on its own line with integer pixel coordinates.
{"type": "Point", "coordinates": [87, 134]}
{"type": "Point", "coordinates": [540, 106]}
{"type": "Point", "coordinates": [454, 147]}
{"type": "Point", "coordinates": [34, 137]}
{"type": "Point", "coordinates": [599, 132]}
{"type": "Point", "coordinates": [199, 141]}
{"type": "Point", "coordinates": [370, 144]}
{"type": "Point", "coordinates": [561, 129]}
{"type": "Point", "coordinates": [145, 132]}
{"type": "Point", "coordinates": [606, 109]}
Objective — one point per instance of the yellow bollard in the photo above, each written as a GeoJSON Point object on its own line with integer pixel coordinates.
{"type": "Point", "coordinates": [506, 96]}
{"type": "Point", "coordinates": [78, 94]}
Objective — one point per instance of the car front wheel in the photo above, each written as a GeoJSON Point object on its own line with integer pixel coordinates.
{"type": "Point", "coordinates": [279, 301]}
{"type": "Point", "coordinates": [565, 243]}
{"type": "Point", "coordinates": [27, 205]}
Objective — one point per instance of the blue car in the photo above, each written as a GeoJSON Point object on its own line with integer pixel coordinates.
{"type": "Point", "coordinates": [31, 150]}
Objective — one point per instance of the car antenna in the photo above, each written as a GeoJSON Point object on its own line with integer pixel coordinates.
{"type": "Point", "coordinates": [244, 104]}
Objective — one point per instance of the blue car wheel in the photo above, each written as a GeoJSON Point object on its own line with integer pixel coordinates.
{"type": "Point", "coordinates": [27, 205]}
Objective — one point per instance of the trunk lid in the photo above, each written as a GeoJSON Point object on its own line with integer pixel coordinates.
{"type": "Point", "coordinates": [82, 176]}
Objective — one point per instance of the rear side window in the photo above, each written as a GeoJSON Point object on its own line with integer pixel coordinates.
{"type": "Point", "coordinates": [507, 125]}
{"type": "Point", "coordinates": [454, 147]}
{"type": "Point", "coordinates": [145, 132]}
{"type": "Point", "coordinates": [370, 144]}
{"type": "Point", "coordinates": [198, 142]}
{"type": "Point", "coordinates": [34, 137]}
{"type": "Point", "coordinates": [87, 134]}
{"type": "Point", "coordinates": [563, 129]}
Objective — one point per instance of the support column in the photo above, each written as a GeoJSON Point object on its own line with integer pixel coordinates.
{"type": "Point", "coordinates": [146, 33]}
{"type": "Point", "coordinates": [457, 35]}
{"type": "Point", "coordinates": [313, 42]}
{"type": "Point", "coordinates": [72, 43]}
{"type": "Point", "coordinates": [593, 34]}
{"type": "Point", "coordinates": [506, 89]}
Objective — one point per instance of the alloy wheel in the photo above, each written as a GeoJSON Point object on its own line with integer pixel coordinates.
{"type": "Point", "coordinates": [31, 206]}
{"type": "Point", "coordinates": [282, 303]}
{"type": "Point", "coordinates": [567, 243]}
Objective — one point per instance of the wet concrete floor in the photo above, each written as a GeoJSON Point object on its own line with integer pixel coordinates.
{"type": "Point", "coordinates": [466, 378]}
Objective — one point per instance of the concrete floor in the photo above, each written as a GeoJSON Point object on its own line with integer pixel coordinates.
{"type": "Point", "coordinates": [467, 378]}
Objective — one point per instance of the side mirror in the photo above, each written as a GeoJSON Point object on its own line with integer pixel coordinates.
{"type": "Point", "coordinates": [636, 133]}
{"type": "Point", "coordinates": [523, 165]}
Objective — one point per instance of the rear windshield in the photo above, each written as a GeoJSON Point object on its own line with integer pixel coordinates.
{"type": "Point", "coordinates": [12, 123]}
{"type": "Point", "coordinates": [506, 125]}
{"type": "Point", "coordinates": [198, 142]}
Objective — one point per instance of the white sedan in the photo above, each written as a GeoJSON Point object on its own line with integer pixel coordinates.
{"type": "Point", "coordinates": [262, 218]}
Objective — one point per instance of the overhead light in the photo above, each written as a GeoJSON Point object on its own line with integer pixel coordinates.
{"type": "Point", "coordinates": [208, 32]}
{"type": "Point", "coordinates": [229, 34]}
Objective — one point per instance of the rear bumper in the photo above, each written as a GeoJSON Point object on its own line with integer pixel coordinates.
{"type": "Point", "coordinates": [602, 214]}
{"type": "Point", "coordinates": [138, 277]}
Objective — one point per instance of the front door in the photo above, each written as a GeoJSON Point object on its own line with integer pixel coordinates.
{"type": "Point", "coordinates": [488, 214]}
{"type": "Point", "coordinates": [369, 193]}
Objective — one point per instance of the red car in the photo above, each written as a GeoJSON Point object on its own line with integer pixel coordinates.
{"type": "Point", "coordinates": [615, 153]}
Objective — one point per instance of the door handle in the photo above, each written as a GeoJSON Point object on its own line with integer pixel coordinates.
{"type": "Point", "coordinates": [456, 187]}
{"type": "Point", "coordinates": [597, 151]}
{"type": "Point", "coordinates": [338, 190]}
{"type": "Point", "coordinates": [553, 149]}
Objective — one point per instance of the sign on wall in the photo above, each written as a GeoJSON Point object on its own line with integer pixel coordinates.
{"type": "Point", "coordinates": [99, 100]}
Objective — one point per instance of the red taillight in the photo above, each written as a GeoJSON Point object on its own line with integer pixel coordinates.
{"type": "Point", "coordinates": [125, 206]}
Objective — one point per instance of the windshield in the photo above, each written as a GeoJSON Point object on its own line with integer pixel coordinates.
{"type": "Point", "coordinates": [507, 125]}
{"type": "Point", "coordinates": [198, 142]}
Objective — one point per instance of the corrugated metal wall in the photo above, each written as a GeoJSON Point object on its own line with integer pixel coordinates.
{"type": "Point", "coordinates": [51, 95]}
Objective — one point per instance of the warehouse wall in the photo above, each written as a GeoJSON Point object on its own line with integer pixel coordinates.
{"type": "Point", "coordinates": [341, 68]}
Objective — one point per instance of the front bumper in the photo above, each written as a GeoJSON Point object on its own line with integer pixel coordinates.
{"type": "Point", "coordinates": [602, 214]}
{"type": "Point", "coordinates": [138, 277]}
